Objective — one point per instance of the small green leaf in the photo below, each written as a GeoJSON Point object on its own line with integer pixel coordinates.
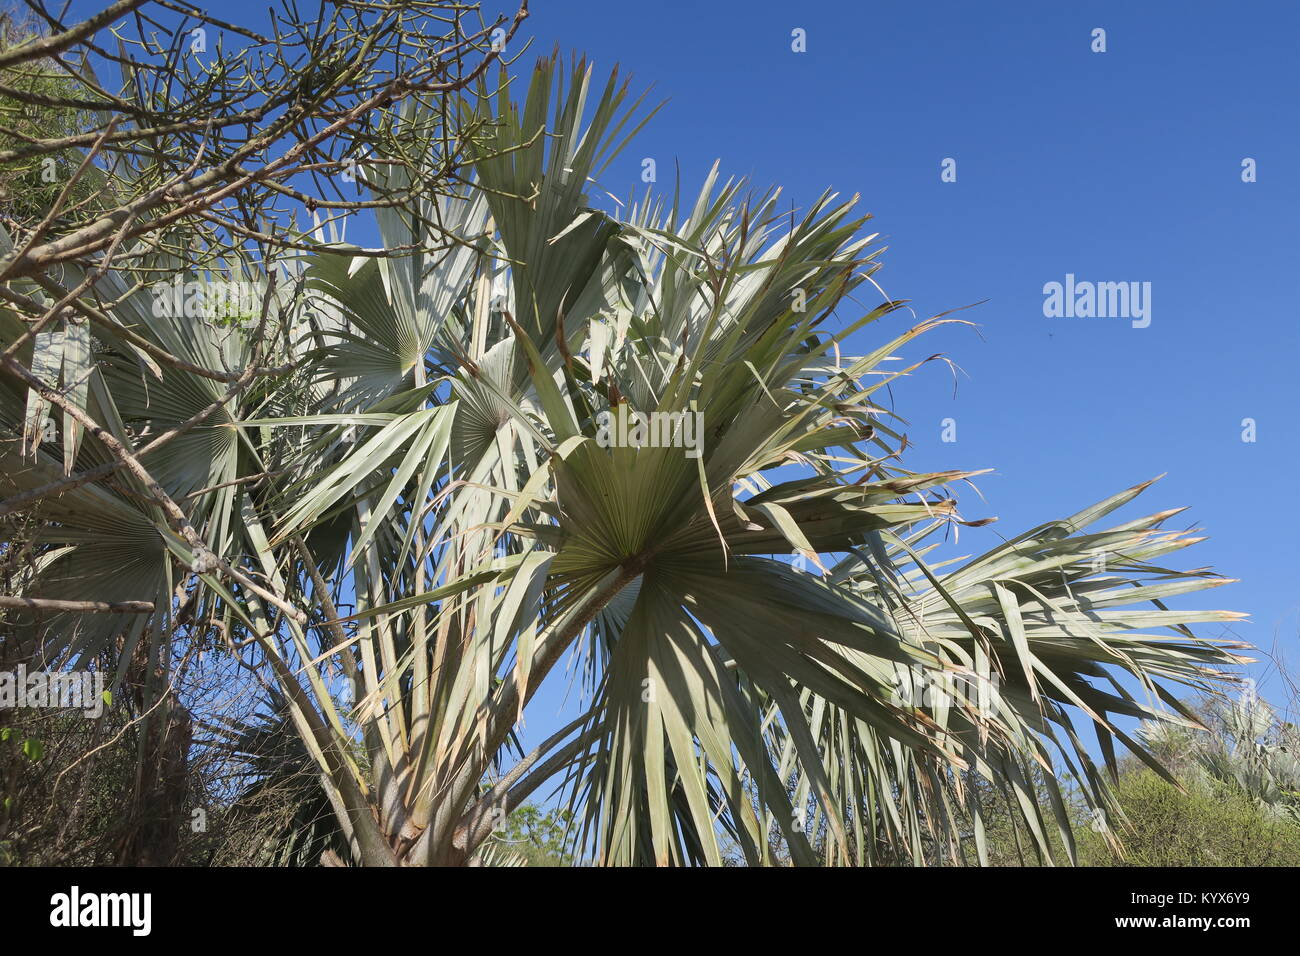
{"type": "Point", "coordinates": [33, 749]}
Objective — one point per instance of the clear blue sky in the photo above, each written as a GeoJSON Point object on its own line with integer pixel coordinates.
{"type": "Point", "coordinates": [1115, 166]}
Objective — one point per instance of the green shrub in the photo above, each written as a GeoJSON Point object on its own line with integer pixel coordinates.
{"type": "Point", "coordinates": [1208, 825]}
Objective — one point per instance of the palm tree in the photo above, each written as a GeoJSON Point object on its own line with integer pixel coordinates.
{"type": "Point", "coordinates": [399, 510]}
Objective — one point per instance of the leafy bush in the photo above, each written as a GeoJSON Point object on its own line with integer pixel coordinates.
{"type": "Point", "coordinates": [1208, 825]}
{"type": "Point", "coordinates": [537, 837]}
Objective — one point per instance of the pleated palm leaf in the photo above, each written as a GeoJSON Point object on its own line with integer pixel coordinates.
{"type": "Point", "coordinates": [105, 541]}
{"type": "Point", "coordinates": [1026, 634]}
